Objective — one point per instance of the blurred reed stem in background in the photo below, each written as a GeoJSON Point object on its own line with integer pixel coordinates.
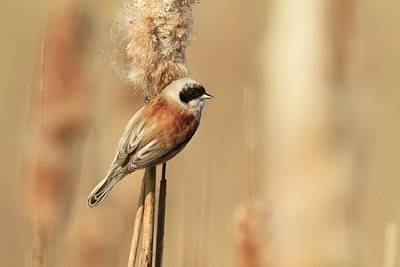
{"type": "Point", "coordinates": [311, 162]}
{"type": "Point", "coordinates": [61, 114]}
{"type": "Point", "coordinates": [391, 247]}
{"type": "Point", "coordinates": [247, 218]}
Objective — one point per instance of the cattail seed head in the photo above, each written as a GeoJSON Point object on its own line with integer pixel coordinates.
{"type": "Point", "coordinates": [155, 35]}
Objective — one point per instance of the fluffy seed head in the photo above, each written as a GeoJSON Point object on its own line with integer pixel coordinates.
{"type": "Point", "coordinates": [155, 34]}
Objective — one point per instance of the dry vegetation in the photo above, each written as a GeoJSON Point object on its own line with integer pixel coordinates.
{"type": "Point", "coordinates": [295, 163]}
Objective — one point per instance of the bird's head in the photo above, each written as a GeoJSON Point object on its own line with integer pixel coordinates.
{"type": "Point", "coordinates": [188, 93]}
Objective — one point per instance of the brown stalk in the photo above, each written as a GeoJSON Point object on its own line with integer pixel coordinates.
{"type": "Point", "coordinates": [148, 216]}
{"type": "Point", "coordinates": [137, 227]}
{"type": "Point", "coordinates": [162, 199]}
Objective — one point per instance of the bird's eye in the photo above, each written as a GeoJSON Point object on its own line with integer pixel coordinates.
{"type": "Point", "coordinates": [192, 92]}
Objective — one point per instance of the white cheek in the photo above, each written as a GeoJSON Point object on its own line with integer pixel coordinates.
{"type": "Point", "coordinates": [201, 105]}
{"type": "Point", "coordinates": [196, 106]}
{"type": "Point", "coordinates": [193, 104]}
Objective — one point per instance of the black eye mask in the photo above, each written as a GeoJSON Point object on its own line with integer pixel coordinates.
{"type": "Point", "coordinates": [190, 93]}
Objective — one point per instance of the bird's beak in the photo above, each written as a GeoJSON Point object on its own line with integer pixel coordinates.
{"type": "Point", "coordinates": [206, 96]}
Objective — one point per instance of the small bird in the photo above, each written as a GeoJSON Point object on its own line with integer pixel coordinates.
{"type": "Point", "coordinates": [156, 133]}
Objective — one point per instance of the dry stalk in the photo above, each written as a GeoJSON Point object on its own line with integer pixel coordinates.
{"type": "Point", "coordinates": [137, 227]}
{"type": "Point", "coordinates": [161, 217]}
{"type": "Point", "coordinates": [148, 216]}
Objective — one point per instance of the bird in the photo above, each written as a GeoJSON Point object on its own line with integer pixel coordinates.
{"type": "Point", "coordinates": [156, 133]}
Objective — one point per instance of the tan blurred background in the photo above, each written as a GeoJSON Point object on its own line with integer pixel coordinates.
{"type": "Point", "coordinates": [322, 146]}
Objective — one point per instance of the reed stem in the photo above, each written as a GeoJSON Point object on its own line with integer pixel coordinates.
{"type": "Point", "coordinates": [137, 227]}
{"type": "Point", "coordinates": [161, 218]}
{"type": "Point", "coordinates": [148, 216]}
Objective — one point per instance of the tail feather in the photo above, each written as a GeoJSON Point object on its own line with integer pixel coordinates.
{"type": "Point", "coordinates": [103, 188]}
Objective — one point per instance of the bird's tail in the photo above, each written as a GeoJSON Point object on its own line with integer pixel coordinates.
{"type": "Point", "coordinates": [104, 187]}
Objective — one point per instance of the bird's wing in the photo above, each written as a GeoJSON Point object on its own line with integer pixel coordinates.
{"type": "Point", "coordinates": [155, 152]}
{"type": "Point", "coordinates": [147, 155]}
{"type": "Point", "coordinates": [133, 134]}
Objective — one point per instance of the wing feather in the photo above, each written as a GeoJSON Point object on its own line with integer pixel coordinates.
{"type": "Point", "coordinates": [154, 153]}
{"type": "Point", "coordinates": [146, 156]}
{"type": "Point", "coordinates": [133, 134]}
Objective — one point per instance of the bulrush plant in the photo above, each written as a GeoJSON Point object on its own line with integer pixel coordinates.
{"type": "Point", "coordinates": [154, 36]}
